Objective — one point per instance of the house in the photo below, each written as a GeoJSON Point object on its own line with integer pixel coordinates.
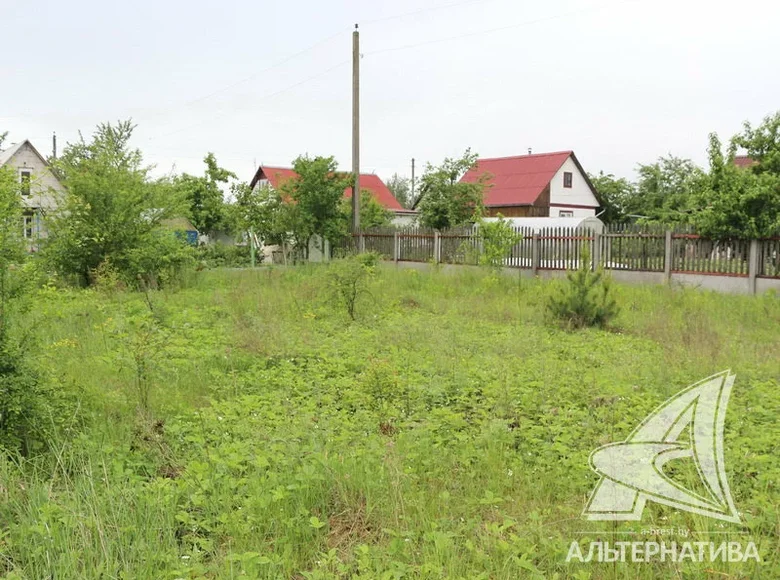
{"type": "Point", "coordinates": [744, 161]}
{"type": "Point", "coordinates": [536, 185]}
{"type": "Point", "coordinates": [183, 227]}
{"type": "Point", "coordinates": [275, 176]}
{"type": "Point", "coordinates": [40, 188]}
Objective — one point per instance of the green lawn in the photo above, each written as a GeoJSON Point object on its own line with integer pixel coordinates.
{"type": "Point", "coordinates": [245, 426]}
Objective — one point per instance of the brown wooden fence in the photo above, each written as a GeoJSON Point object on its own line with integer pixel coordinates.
{"type": "Point", "coordinates": [631, 248]}
{"type": "Point", "coordinates": [769, 258]}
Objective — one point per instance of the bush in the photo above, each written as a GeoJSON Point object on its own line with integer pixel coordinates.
{"type": "Point", "coordinates": [349, 279]}
{"type": "Point", "coordinates": [226, 256]}
{"type": "Point", "coordinates": [586, 300]}
{"type": "Point", "coordinates": [497, 239]}
{"type": "Point", "coordinates": [161, 262]}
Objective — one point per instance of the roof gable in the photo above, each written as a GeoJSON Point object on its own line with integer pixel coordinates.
{"type": "Point", "coordinates": [516, 180]}
{"type": "Point", "coordinates": [276, 176]}
{"type": "Point", "coordinates": [8, 154]}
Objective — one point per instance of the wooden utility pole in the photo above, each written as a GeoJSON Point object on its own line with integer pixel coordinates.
{"type": "Point", "coordinates": [356, 129]}
{"type": "Point", "coordinates": [411, 195]}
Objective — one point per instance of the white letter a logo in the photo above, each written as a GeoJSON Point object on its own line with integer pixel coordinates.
{"type": "Point", "coordinates": [632, 472]}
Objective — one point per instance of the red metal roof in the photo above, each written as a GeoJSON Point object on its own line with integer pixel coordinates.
{"type": "Point", "coordinates": [368, 181]}
{"type": "Point", "coordinates": [516, 180]}
{"type": "Point", "coordinates": [744, 161]}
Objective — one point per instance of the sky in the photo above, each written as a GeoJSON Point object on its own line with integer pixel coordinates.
{"type": "Point", "coordinates": [619, 82]}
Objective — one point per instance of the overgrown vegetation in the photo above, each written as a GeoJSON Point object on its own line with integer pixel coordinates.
{"type": "Point", "coordinates": [350, 278]}
{"type": "Point", "coordinates": [443, 434]}
{"type": "Point", "coordinates": [113, 211]}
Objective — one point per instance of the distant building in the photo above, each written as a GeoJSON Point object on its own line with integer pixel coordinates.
{"type": "Point", "coordinates": [40, 188]}
{"type": "Point", "coordinates": [183, 227]}
{"type": "Point", "coordinates": [275, 176]}
{"type": "Point", "coordinates": [744, 161]}
{"type": "Point", "coordinates": [536, 185]}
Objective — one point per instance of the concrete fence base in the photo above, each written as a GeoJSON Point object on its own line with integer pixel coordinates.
{"type": "Point", "coordinates": [725, 284]}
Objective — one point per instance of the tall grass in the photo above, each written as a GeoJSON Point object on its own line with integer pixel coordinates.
{"type": "Point", "coordinates": [444, 433]}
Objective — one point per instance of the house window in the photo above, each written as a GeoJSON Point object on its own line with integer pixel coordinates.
{"type": "Point", "coordinates": [567, 179]}
{"type": "Point", "coordinates": [28, 225]}
{"type": "Point", "coordinates": [565, 213]}
{"type": "Point", "coordinates": [24, 180]}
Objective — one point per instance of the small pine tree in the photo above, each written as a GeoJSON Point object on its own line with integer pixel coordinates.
{"type": "Point", "coordinates": [587, 299]}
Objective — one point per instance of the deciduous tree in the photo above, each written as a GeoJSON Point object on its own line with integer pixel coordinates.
{"type": "Point", "coordinates": [401, 188]}
{"type": "Point", "coordinates": [445, 202]}
{"type": "Point", "coordinates": [203, 195]}
{"type": "Point", "coordinates": [112, 211]}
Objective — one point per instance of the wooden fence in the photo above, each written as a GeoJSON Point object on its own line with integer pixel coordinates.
{"type": "Point", "coordinates": [618, 247]}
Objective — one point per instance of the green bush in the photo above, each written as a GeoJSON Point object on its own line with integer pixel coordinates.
{"type": "Point", "coordinates": [586, 300]}
{"type": "Point", "coordinates": [349, 279]}
{"type": "Point", "coordinates": [226, 256]}
{"type": "Point", "coordinates": [497, 239]}
{"type": "Point", "coordinates": [162, 262]}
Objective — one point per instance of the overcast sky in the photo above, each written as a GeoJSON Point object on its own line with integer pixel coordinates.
{"type": "Point", "coordinates": [619, 82]}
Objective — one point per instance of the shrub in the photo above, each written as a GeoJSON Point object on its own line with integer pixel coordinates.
{"type": "Point", "coordinates": [225, 256]}
{"type": "Point", "coordinates": [161, 262]}
{"type": "Point", "coordinates": [349, 279]}
{"type": "Point", "coordinates": [586, 300]}
{"type": "Point", "coordinates": [497, 239]}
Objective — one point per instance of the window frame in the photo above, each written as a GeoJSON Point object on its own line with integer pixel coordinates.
{"type": "Point", "coordinates": [568, 179]}
{"type": "Point", "coordinates": [566, 213]}
{"type": "Point", "coordinates": [28, 225]}
{"type": "Point", "coordinates": [25, 185]}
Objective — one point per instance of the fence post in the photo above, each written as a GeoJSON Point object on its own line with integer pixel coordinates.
{"type": "Point", "coordinates": [753, 266]}
{"type": "Point", "coordinates": [535, 253]}
{"type": "Point", "coordinates": [668, 256]}
{"type": "Point", "coordinates": [436, 247]}
{"type": "Point", "coordinates": [396, 247]}
{"type": "Point", "coordinates": [361, 243]}
{"type": "Point", "coordinates": [596, 254]}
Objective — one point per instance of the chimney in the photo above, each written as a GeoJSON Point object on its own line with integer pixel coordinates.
{"type": "Point", "coordinates": [529, 151]}
{"type": "Point", "coordinates": [54, 145]}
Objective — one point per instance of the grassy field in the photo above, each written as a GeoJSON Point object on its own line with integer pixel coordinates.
{"type": "Point", "coordinates": [245, 426]}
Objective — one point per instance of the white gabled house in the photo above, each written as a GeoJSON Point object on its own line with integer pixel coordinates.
{"type": "Point", "coordinates": [39, 186]}
{"type": "Point", "coordinates": [536, 185]}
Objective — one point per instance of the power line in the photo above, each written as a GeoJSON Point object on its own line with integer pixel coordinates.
{"type": "Point", "coordinates": [497, 29]}
{"type": "Point", "coordinates": [253, 75]}
{"type": "Point", "coordinates": [268, 96]}
{"type": "Point", "coordinates": [423, 10]}
{"type": "Point", "coordinates": [309, 49]}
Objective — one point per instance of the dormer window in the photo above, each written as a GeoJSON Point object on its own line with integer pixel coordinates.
{"type": "Point", "coordinates": [567, 179]}
{"type": "Point", "coordinates": [25, 176]}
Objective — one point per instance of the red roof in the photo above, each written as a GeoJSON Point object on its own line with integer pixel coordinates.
{"type": "Point", "coordinates": [744, 161]}
{"type": "Point", "coordinates": [368, 181]}
{"type": "Point", "coordinates": [516, 180]}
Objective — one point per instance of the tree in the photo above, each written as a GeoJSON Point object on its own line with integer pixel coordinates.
{"type": "Point", "coordinates": [372, 213]}
{"type": "Point", "coordinates": [497, 239]}
{"type": "Point", "coordinates": [737, 203]}
{"type": "Point", "coordinates": [614, 194]}
{"type": "Point", "coordinates": [445, 202]}
{"type": "Point", "coordinates": [262, 211]}
{"type": "Point", "coordinates": [666, 189]}
{"type": "Point", "coordinates": [762, 144]}
{"type": "Point", "coordinates": [112, 211]}
{"type": "Point", "coordinates": [316, 194]}
{"type": "Point", "coordinates": [401, 188]}
{"type": "Point", "coordinates": [204, 195]}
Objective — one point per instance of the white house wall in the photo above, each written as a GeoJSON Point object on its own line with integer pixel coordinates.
{"type": "Point", "coordinates": [578, 198]}
{"type": "Point", "coordinates": [44, 187]}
